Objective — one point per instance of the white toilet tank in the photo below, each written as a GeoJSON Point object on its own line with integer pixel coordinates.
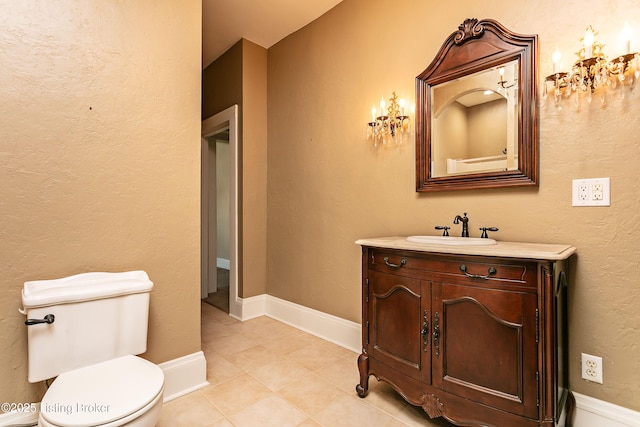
{"type": "Point", "coordinates": [97, 317]}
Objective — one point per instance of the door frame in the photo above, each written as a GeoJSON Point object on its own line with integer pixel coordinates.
{"type": "Point", "coordinates": [209, 127]}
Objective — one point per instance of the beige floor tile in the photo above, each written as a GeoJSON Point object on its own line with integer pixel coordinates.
{"type": "Point", "coordinates": [213, 329]}
{"type": "Point", "coordinates": [272, 411]}
{"type": "Point", "coordinates": [308, 423]}
{"type": "Point", "coordinates": [231, 344]}
{"type": "Point", "coordinates": [220, 423]}
{"type": "Point", "coordinates": [220, 369]}
{"type": "Point", "coordinates": [384, 397]}
{"type": "Point", "coordinates": [287, 344]}
{"type": "Point", "coordinates": [311, 394]}
{"type": "Point", "coordinates": [248, 327]}
{"type": "Point", "coordinates": [311, 358]}
{"type": "Point", "coordinates": [415, 416]}
{"type": "Point", "coordinates": [342, 373]}
{"type": "Point", "coordinates": [352, 411]}
{"type": "Point", "coordinates": [252, 358]}
{"type": "Point", "coordinates": [329, 347]}
{"type": "Point", "coordinates": [235, 394]}
{"type": "Point", "coordinates": [279, 374]}
{"type": "Point", "coordinates": [268, 331]}
{"type": "Point", "coordinates": [209, 312]}
{"type": "Point", "coordinates": [188, 411]}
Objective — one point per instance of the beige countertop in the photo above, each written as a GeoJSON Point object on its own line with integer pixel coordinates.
{"type": "Point", "coordinates": [538, 251]}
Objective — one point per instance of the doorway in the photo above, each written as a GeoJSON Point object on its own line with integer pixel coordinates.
{"type": "Point", "coordinates": [219, 222]}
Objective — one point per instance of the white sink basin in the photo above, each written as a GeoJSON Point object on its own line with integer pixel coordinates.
{"type": "Point", "coordinates": [451, 240]}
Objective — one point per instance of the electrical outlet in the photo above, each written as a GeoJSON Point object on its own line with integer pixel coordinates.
{"type": "Point", "coordinates": [583, 192]}
{"type": "Point", "coordinates": [592, 368]}
{"type": "Point", "coordinates": [591, 192]}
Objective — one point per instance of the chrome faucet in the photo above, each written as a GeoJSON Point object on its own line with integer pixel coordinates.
{"type": "Point", "coordinates": [465, 224]}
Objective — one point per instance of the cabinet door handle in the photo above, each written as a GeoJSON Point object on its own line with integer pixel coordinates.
{"type": "Point", "coordinates": [490, 273]}
{"type": "Point", "coordinates": [425, 331]}
{"type": "Point", "coordinates": [403, 261]}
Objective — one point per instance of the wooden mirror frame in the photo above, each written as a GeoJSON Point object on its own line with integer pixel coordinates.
{"type": "Point", "coordinates": [477, 46]}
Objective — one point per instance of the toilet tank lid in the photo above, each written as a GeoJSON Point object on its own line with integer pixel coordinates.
{"type": "Point", "coordinates": [84, 287]}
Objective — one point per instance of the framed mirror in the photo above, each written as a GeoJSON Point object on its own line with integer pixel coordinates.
{"type": "Point", "coordinates": [477, 111]}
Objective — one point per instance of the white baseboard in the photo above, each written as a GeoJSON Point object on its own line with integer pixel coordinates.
{"type": "Point", "coordinates": [184, 375]}
{"type": "Point", "coordinates": [223, 263]}
{"type": "Point", "coordinates": [181, 376]}
{"type": "Point", "coordinates": [18, 418]}
{"type": "Point", "coordinates": [326, 326]}
{"type": "Point", "coordinates": [592, 412]}
{"type": "Point", "coordinates": [248, 308]}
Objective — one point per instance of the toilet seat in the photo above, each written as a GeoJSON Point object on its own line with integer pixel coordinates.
{"type": "Point", "coordinates": [110, 393]}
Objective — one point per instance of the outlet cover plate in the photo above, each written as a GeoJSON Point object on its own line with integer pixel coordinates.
{"type": "Point", "coordinates": [591, 192]}
{"type": "Point", "coordinates": [591, 368]}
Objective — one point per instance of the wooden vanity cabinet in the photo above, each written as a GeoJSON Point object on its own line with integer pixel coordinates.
{"type": "Point", "coordinates": [478, 340]}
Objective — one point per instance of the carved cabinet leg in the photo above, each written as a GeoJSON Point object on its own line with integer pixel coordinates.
{"type": "Point", "coordinates": [363, 368]}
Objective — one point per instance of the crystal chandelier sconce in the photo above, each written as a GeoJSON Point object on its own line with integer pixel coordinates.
{"type": "Point", "coordinates": [392, 125]}
{"type": "Point", "coordinates": [593, 72]}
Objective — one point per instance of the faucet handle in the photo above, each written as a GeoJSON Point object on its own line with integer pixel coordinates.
{"type": "Point", "coordinates": [443, 227]}
{"type": "Point", "coordinates": [484, 231]}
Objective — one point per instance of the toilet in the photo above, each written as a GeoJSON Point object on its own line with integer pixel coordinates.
{"type": "Point", "coordinates": [86, 330]}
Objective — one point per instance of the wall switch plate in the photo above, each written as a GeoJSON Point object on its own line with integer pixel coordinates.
{"type": "Point", "coordinates": [591, 368]}
{"type": "Point", "coordinates": [591, 192]}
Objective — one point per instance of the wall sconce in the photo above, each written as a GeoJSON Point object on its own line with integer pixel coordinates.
{"type": "Point", "coordinates": [592, 71]}
{"type": "Point", "coordinates": [393, 123]}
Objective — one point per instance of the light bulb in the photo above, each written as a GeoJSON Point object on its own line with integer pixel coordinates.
{"type": "Point", "coordinates": [589, 38]}
{"type": "Point", "coordinates": [556, 59]}
{"type": "Point", "coordinates": [626, 36]}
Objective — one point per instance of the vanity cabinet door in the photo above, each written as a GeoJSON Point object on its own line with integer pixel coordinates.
{"type": "Point", "coordinates": [484, 347]}
{"type": "Point", "coordinates": [398, 309]}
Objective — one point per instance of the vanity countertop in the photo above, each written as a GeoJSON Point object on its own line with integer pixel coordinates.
{"type": "Point", "coordinates": [538, 251]}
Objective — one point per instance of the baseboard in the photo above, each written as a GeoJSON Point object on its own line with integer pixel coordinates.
{"type": "Point", "coordinates": [184, 375]}
{"type": "Point", "coordinates": [18, 418]}
{"type": "Point", "coordinates": [592, 412]}
{"type": "Point", "coordinates": [326, 326]}
{"type": "Point", "coordinates": [223, 263]}
{"type": "Point", "coordinates": [181, 376]}
{"type": "Point", "coordinates": [248, 308]}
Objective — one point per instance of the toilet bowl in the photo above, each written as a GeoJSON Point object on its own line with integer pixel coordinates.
{"type": "Point", "coordinates": [126, 391]}
{"type": "Point", "coordinates": [86, 330]}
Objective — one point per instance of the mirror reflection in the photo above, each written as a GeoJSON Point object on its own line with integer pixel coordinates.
{"type": "Point", "coordinates": [475, 122]}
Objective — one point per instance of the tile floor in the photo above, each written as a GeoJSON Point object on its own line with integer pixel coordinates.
{"type": "Point", "coordinates": [265, 373]}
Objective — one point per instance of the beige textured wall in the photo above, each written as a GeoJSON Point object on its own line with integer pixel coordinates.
{"type": "Point", "coordinates": [253, 240]}
{"type": "Point", "coordinates": [328, 186]}
{"type": "Point", "coordinates": [487, 128]}
{"type": "Point", "coordinates": [99, 160]}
